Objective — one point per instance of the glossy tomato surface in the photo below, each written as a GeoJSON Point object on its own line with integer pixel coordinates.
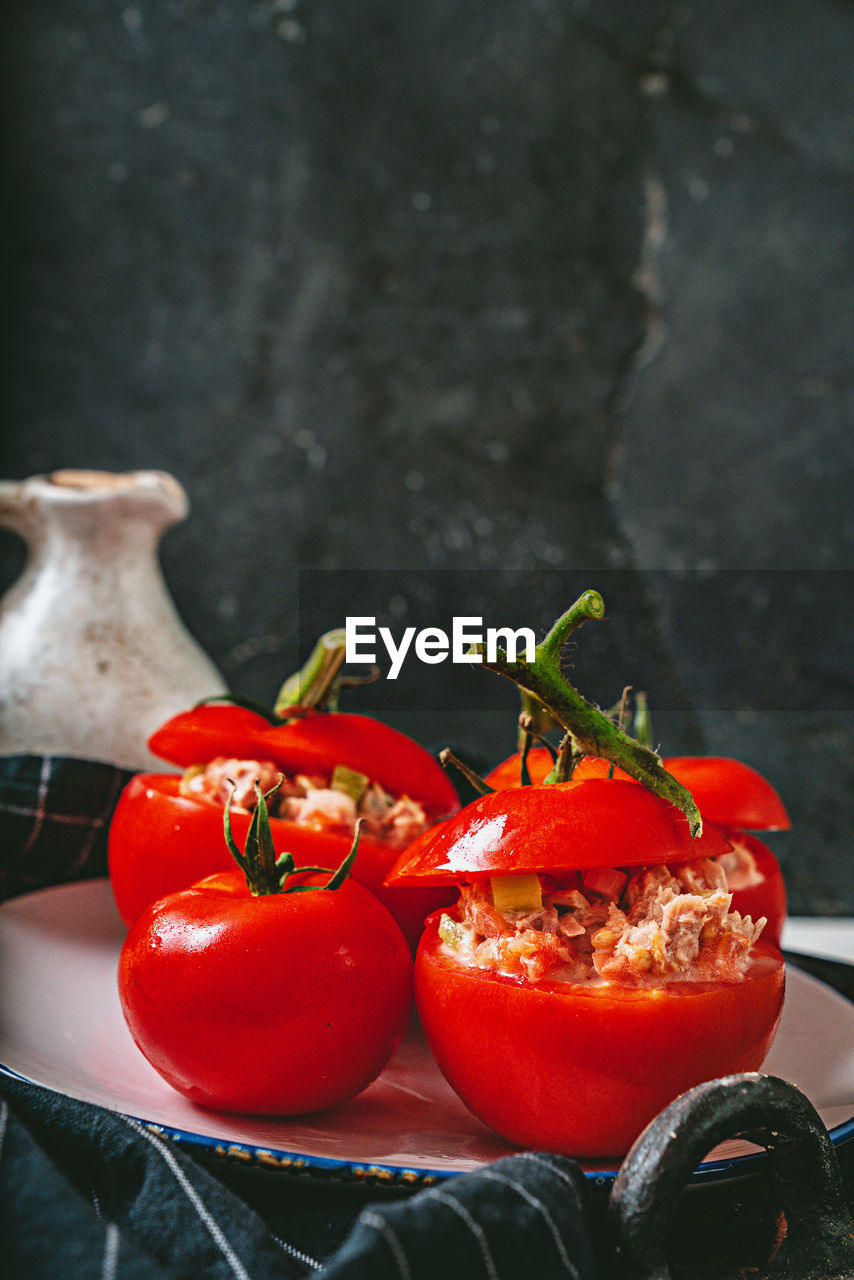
{"type": "Point", "coordinates": [273, 1005]}
{"type": "Point", "coordinates": [314, 744]}
{"type": "Point", "coordinates": [727, 792]}
{"type": "Point", "coordinates": [160, 841]}
{"type": "Point", "coordinates": [730, 793]}
{"type": "Point", "coordinates": [566, 826]}
{"type": "Point", "coordinates": [582, 1069]}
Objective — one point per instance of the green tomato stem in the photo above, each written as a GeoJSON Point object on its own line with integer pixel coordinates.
{"type": "Point", "coordinates": [344, 870]}
{"type": "Point", "coordinates": [643, 721]}
{"type": "Point", "coordinates": [314, 686]}
{"type": "Point", "coordinates": [265, 872]}
{"type": "Point", "coordinates": [527, 737]}
{"type": "Point", "coordinates": [230, 841]}
{"type": "Point", "coordinates": [447, 757]}
{"type": "Point", "coordinates": [537, 720]}
{"type": "Point", "coordinates": [589, 730]}
{"type": "Point", "coordinates": [260, 851]}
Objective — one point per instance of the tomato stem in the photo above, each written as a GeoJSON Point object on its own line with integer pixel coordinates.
{"type": "Point", "coordinates": [643, 721]}
{"type": "Point", "coordinates": [528, 735]}
{"type": "Point", "coordinates": [344, 870]}
{"type": "Point", "coordinates": [260, 852]}
{"type": "Point", "coordinates": [569, 755]}
{"type": "Point", "coordinates": [537, 719]}
{"type": "Point", "coordinates": [265, 872]}
{"type": "Point", "coordinates": [447, 757]}
{"type": "Point", "coordinates": [233, 847]}
{"type": "Point", "coordinates": [315, 685]}
{"type": "Point", "coordinates": [589, 731]}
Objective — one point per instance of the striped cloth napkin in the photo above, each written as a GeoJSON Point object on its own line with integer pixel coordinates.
{"type": "Point", "coordinates": [54, 815]}
{"type": "Point", "coordinates": [88, 1193]}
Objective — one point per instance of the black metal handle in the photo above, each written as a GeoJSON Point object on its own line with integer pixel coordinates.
{"type": "Point", "coordinates": [819, 1241]}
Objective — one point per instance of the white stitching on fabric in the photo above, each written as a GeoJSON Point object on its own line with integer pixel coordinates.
{"type": "Point", "coordinates": [475, 1228]}
{"type": "Point", "coordinates": [298, 1255]}
{"type": "Point", "coordinates": [112, 1242]}
{"type": "Point", "coordinates": [547, 1217]}
{"type": "Point", "coordinates": [96, 825]}
{"type": "Point", "coordinates": [547, 1164]}
{"type": "Point", "coordinates": [69, 819]}
{"type": "Point", "coordinates": [41, 807]}
{"type": "Point", "coordinates": [215, 1230]}
{"type": "Point", "coordinates": [379, 1224]}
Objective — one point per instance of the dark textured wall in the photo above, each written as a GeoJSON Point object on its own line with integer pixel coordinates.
{"type": "Point", "coordinates": [562, 288]}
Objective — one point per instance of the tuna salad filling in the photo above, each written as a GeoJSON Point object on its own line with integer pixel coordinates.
{"type": "Point", "coordinates": [739, 865]}
{"type": "Point", "coordinates": [322, 804]}
{"type": "Point", "coordinates": [639, 927]}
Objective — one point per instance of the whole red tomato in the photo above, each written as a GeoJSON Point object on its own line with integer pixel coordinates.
{"type": "Point", "coordinates": [584, 1064]}
{"type": "Point", "coordinates": [161, 841]}
{"type": "Point", "coordinates": [271, 1005]}
{"type": "Point", "coordinates": [730, 794]}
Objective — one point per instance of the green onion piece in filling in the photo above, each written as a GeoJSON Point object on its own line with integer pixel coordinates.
{"type": "Point", "coordinates": [353, 784]}
{"type": "Point", "coordinates": [451, 932]}
{"type": "Point", "coordinates": [516, 893]}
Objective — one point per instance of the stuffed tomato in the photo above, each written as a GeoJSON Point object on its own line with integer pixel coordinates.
{"type": "Point", "coordinates": [331, 769]}
{"type": "Point", "coordinates": [728, 793]}
{"type": "Point", "coordinates": [592, 969]}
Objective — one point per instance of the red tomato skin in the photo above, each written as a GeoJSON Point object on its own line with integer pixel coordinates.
{"type": "Point", "coordinates": [597, 822]}
{"type": "Point", "coordinates": [200, 734]}
{"type": "Point", "coordinates": [276, 1005]}
{"type": "Point", "coordinates": [727, 792]}
{"type": "Point", "coordinates": [767, 897]}
{"type": "Point", "coordinates": [730, 793]}
{"type": "Point", "coordinates": [160, 842]}
{"type": "Point", "coordinates": [314, 744]}
{"type": "Point", "coordinates": [507, 775]}
{"type": "Point", "coordinates": [583, 1070]}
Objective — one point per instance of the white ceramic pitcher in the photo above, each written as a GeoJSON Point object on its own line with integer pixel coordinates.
{"type": "Point", "coordinates": [93, 655]}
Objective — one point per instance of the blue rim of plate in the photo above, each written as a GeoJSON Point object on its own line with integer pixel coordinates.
{"type": "Point", "coordinates": [300, 1164]}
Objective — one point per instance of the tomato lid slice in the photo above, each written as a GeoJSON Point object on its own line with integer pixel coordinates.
{"type": "Point", "coordinates": [567, 826]}
{"type": "Point", "coordinates": [314, 744]}
{"type": "Point", "coordinates": [200, 734]}
{"type": "Point", "coordinates": [730, 793]}
{"type": "Point", "coordinates": [385, 755]}
{"type": "Point", "coordinates": [727, 792]}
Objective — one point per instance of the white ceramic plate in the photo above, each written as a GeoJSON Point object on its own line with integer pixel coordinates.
{"type": "Point", "coordinates": [61, 1027]}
